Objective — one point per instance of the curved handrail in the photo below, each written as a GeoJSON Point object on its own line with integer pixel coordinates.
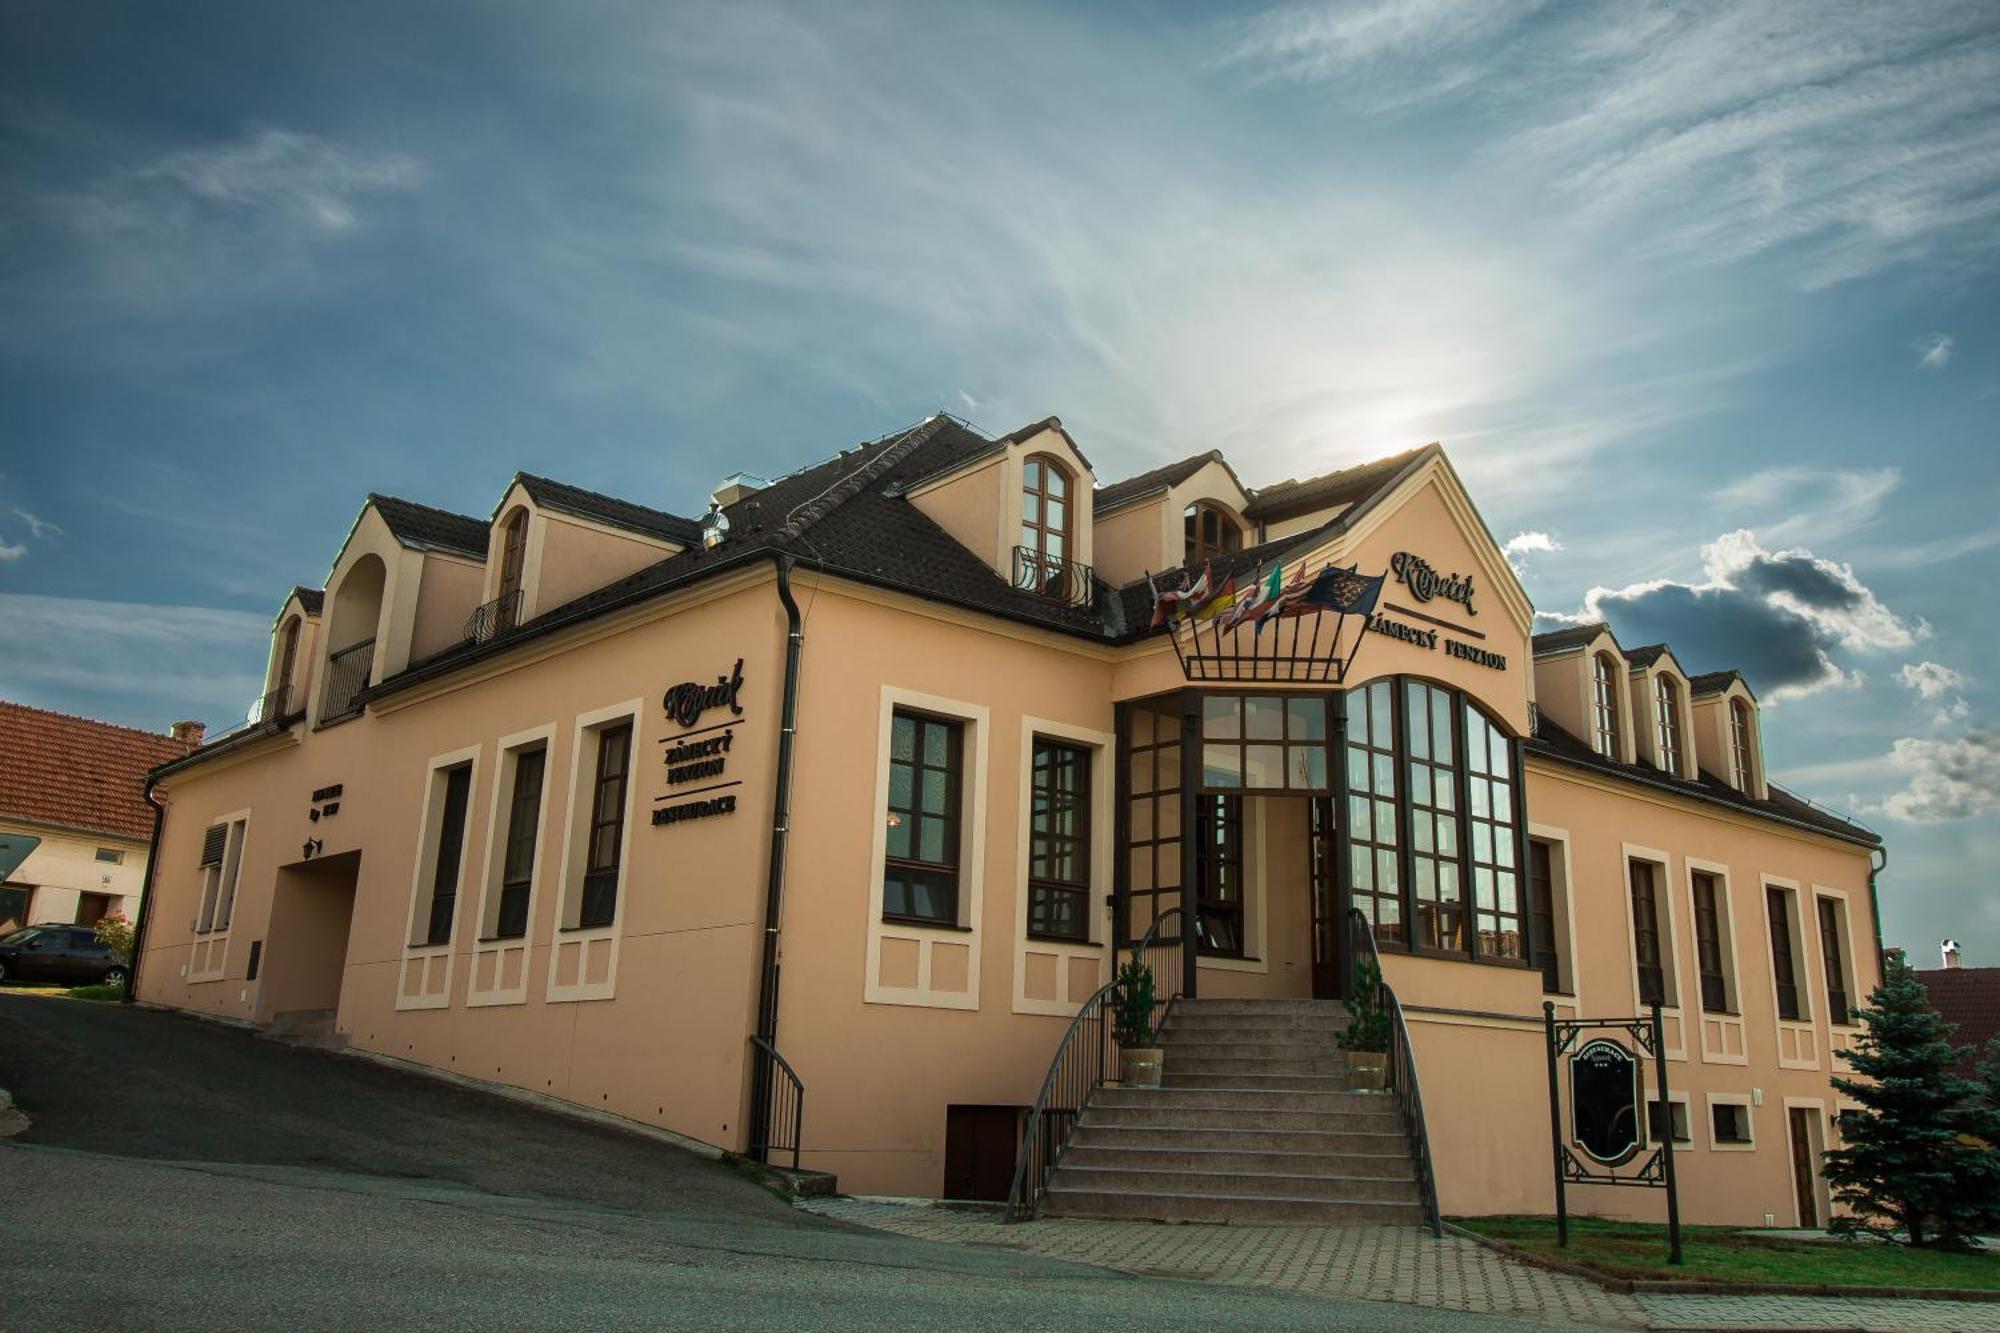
{"type": "Point", "coordinates": [785, 1114]}
{"type": "Point", "coordinates": [1074, 1074]}
{"type": "Point", "coordinates": [1402, 1069]}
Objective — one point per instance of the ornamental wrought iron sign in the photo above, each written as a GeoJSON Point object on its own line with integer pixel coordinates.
{"type": "Point", "coordinates": [1607, 1111]}
{"type": "Point", "coordinates": [1266, 626]}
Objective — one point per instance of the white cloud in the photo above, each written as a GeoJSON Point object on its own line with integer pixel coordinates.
{"type": "Point", "coordinates": [1944, 779]}
{"type": "Point", "coordinates": [1519, 546]}
{"type": "Point", "coordinates": [89, 656]}
{"type": "Point", "coordinates": [301, 173]}
{"type": "Point", "coordinates": [1788, 504]}
{"type": "Point", "coordinates": [1936, 352]}
{"type": "Point", "coordinates": [1931, 679]}
{"type": "Point", "coordinates": [11, 552]}
{"type": "Point", "coordinates": [39, 528]}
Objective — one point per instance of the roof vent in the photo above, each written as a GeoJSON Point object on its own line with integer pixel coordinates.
{"type": "Point", "coordinates": [1950, 951]}
{"type": "Point", "coordinates": [714, 528]}
{"type": "Point", "coordinates": [737, 485]}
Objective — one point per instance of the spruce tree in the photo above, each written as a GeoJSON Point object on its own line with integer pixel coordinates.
{"type": "Point", "coordinates": [1904, 1166]}
{"type": "Point", "coordinates": [1979, 1120]}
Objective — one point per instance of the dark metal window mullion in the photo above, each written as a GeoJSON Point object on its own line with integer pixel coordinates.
{"type": "Point", "coordinates": [1406, 860]}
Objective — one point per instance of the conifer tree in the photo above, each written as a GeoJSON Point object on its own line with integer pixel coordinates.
{"type": "Point", "coordinates": [1979, 1120]}
{"type": "Point", "coordinates": [1903, 1166]}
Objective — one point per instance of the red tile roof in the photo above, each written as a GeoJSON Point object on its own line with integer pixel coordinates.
{"type": "Point", "coordinates": [1969, 997]}
{"type": "Point", "coordinates": [77, 773]}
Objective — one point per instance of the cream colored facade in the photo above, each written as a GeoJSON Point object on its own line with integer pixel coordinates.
{"type": "Point", "coordinates": [67, 866]}
{"type": "Point", "coordinates": [330, 859]}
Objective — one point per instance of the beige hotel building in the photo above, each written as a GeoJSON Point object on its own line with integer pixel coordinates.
{"type": "Point", "coordinates": [884, 765]}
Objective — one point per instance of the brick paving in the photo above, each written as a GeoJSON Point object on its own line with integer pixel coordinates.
{"type": "Point", "coordinates": [1397, 1264]}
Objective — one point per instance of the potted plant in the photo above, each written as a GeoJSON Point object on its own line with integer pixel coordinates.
{"type": "Point", "coordinates": [1132, 1027]}
{"type": "Point", "coordinates": [1366, 1039]}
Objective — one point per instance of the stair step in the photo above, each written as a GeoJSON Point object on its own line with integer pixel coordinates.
{"type": "Point", "coordinates": [1260, 1006]}
{"type": "Point", "coordinates": [1246, 1081]}
{"type": "Point", "coordinates": [1179, 1061]}
{"type": "Point", "coordinates": [1239, 1184]}
{"type": "Point", "coordinates": [1330, 1121]}
{"type": "Point", "coordinates": [1252, 1210]}
{"type": "Point", "coordinates": [1257, 1046]}
{"type": "Point", "coordinates": [1389, 1165]}
{"type": "Point", "coordinates": [1115, 1129]}
{"type": "Point", "coordinates": [1280, 1020]}
{"type": "Point", "coordinates": [1244, 1102]}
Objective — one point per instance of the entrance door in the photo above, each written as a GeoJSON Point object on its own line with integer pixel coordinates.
{"type": "Point", "coordinates": [1802, 1166]}
{"type": "Point", "coordinates": [980, 1143]}
{"type": "Point", "coordinates": [1328, 938]}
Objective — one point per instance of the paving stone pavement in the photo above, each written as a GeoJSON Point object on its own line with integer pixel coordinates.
{"type": "Point", "coordinates": [1399, 1264]}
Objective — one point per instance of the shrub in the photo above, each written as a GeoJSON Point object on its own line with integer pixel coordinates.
{"type": "Point", "coordinates": [1367, 1021]}
{"type": "Point", "coordinates": [114, 932]}
{"type": "Point", "coordinates": [1132, 1022]}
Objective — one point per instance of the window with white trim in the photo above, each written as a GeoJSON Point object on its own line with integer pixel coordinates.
{"type": "Point", "coordinates": [1650, 947]}
{"type": "Point", "coordinates": [450, 798]}
{"type": "Point", "coordinates": [1604, 705]}
{"type": "Point", "coordinates": [604, 838]}
{"type": "Point", "coordinates": [524, 771]}
{"type": "Point", "coordinates": [1667, 706]}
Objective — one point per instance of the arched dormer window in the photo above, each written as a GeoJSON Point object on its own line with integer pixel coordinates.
{"type": "Point", "coordinates": [1210, 532]}
{"type": "Point", "coordinates": [1042, 561]}
{"type": "Point", "coordinates": [513, 559]}
{"type": "Point", "coordinates": [1604, 705]}
{"type": "Point", "coordinates": [1667, 705]}
{"type": "Point", "coordinates": [1739, 742]}
{"type": "Point", "coordinates": [281, 701]}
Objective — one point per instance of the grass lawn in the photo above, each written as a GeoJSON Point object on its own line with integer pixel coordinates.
{"type": "Point", "coordinates": [1726, 1254]}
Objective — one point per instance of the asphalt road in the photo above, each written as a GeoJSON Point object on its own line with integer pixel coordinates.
{"type": "Point", "coordinates": [181, 1174]}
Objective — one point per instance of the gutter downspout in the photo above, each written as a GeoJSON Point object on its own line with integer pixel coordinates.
{"type": "Point", "coordinates": [774, 891]}
{"type": "Point", "coordinates": [1875, 903]}
{"type": "Point", "coordinates": [145, 894]}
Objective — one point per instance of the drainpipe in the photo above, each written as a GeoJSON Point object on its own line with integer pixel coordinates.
{"type": "Point", "coordinates": [774, 890]}
{"type": "Point", "coordinates": [145, 895]}
{"type": "Point", "coordinates": [1875, 904]}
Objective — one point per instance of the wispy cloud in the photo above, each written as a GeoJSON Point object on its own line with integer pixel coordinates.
{"type": "Point", "coordinates": [1935, 352]}
{"type": "Point", "coordinates": [38, 528]}
{"type": "Point", "coordinates": [98, 657]}
{"type": "Point", "coordinates": [1789, 504]}
{"type": "Point", "coordinates": [13, 551]}
{"type": "Point", "coordinates": [311, 177]}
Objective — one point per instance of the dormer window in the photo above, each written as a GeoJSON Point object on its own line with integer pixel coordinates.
{"type": "Point", "coordinates": [1666, 703]}
{"type": "Point", "coordinates": [281, 701]}
{"type": "Point", "coordinates": [1043, 561]}
{"type": "Point", "coordinates": [1210, 532]}
{"type": "Point", "coordinates": [1739, 741]}
{"type": "Point", "coordinates": [513, 558]}
{"type": "Point", "coordinates": [1604, 705]}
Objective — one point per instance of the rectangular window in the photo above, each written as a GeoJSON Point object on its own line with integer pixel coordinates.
{"type": "Point", "coordinates": [517, 872]}
{"type": "Point", "coordinates": [1219, 875]}
{"type": "Point", "coordinates": [1542, 913]}
{"type": "Point", "coordinates": [1708, 945]}
{"type": "Point", "coordinates": [1437, 865]}
{"type": "Point", "coordinates": [450, 854]}
{"type": "Point", "coordinates": [604, 847]}
{"type": "Point", "coordinates": [1646, 948]}
{"type": "Point", "coordinates": [110, 856]}
{"type": "Point", "coordinates": [1836, 966]}
{"type": "Point", "coordinates": [1657, 1122]}
{"type": "Point", "coordinates": [1152, 778]}
{"type": "Point", "coordinates": [1373, 835]}
{"type": "Point", "coordinates": [1489, 822]}
{"type": "Point", "coordinates": [920, 868]}
{"type": "Point", "coordinates": [214, 842]}
{"type": "Point", "coordinates": [1732, 1122]}
{"type": "Point", "coordinates": [1059, 841]}
{"type": "Point", "coordinates": [1783, 971]}
{"type": "Point", "coordinates": [1264, 742]}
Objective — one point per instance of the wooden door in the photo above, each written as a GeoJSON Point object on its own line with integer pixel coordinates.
{"type": "Point", "coordinates": [979, 1147]}
{"type": "Point", "coordinates": [1802, 1166]}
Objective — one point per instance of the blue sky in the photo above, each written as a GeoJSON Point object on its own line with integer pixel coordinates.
{"type": "Point", "coordinates": [1701, 299]}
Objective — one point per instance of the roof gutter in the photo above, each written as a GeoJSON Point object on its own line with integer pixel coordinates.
{"type": "Point", "coordinates": [774, 887]}
{"type": "Point", "coordinates": [145, 892]}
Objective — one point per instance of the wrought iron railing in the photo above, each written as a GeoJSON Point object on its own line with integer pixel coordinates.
{"type": "Point", "coordinates": [777, 1117]}
{"type": "Point", "coordinates": [1054, 576]}
{"type": "Point", "coordinates": [1402, 1069]}
{"type": "Point", "coordinates": [1088, 1048]}
{"type": "Point", "coordinates": [346, 677]}
{"type": "Point", "coordinates": [495, 618]}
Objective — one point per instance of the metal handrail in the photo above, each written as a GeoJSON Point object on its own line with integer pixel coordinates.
{"type": "Point", "coordinates": [494, 618]}
{"type": "Point", "coordinates": [1055, 575]}
{"type": "Point", "coordinates": [1074, 1075]}
{"type": "Point", "coordinates": [784, 1124]}
{"type": "Point", "coordinates": [1402, 1069]}
{"type": "Point", "coordinates": [347, 671]}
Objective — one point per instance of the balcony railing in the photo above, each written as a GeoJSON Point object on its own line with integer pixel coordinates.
{"type": "Point", "coordinates": [346, 677]}
{"type": "Point", "coordinates": [1055, 576]}
{"type": "Point", "coordinates": [276, 705]}
{"type": "Point", "coordinates": [495, 618]}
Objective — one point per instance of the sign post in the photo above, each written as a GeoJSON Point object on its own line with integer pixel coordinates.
{"type": "Point", "coordinates": [1607, 1117]}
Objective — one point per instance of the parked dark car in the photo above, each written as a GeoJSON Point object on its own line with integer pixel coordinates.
{"type": "Point", "coordinates": [67, 955]}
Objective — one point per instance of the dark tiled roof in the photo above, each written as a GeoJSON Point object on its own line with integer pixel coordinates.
{"type": "Point", "coordinates": [310, 599]}
{"type": "Point", "coordinates": [1554, 742]}
{"type": "Point", "coordinates": [78, 773]}
{"type": "Point", "coordinates": [1034, 428]}
{"type": "Point", "coordinates": [1289, 499]}
{"type": "Point", "coordinates": [1574, 636]}
{"type": "Point", "coordinates": [1159, 479]}
{"type": "Point", "coordinates": [1646, 655]}
{"type": "Point", "coordinates": [608, 509]}
{"type": "Point", "coordinates": [1970, 998]}
{"type": "Point", "coordinates": [1714, 682]}
{"type": "Point", "coordinates": [432, 529]}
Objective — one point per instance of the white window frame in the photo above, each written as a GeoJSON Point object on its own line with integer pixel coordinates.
{"type": "Point", "coordinates": [1103, 748]}
{"type": "Point", "coordinates": [211, 943]}
{"type": "Point", "coordinates": [424, 957]}
{"type": "Point", "coordinates": [1559, 893]}
{"type": "Point", "coordinates": [508, 752]}
{"type": "Point", "coordinates": [1732, 952]}
{"type": "Point", "coordinates": [1672, 1002]}
{"type": "Point", "coordinates": [1742, 1099]}
{"type": "Point", "coordinates": [1675, 1097]}
{"type": "Point", "coordinates": [1846, 927]}
{"type": "Point", "coordinates": [1804, 1028]}
{"type": "Point", "coordinates": [569, 900]}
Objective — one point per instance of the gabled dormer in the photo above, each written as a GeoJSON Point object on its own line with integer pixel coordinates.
{"type": "Point", "coordinates": [1021, 503]}
{"type": "Point", "coordinates": [1658, 689]}
{"type": "Point", "coordinates": [1580, 683]}
{"type": "Point", "coordinates": [1729, 731]}
{"type": "Point", "coordinates": [1183, 513]}
{"type": "Point", "coordinates": [294, 648]}
{"type": "Point", "coordinates": [549, 543]}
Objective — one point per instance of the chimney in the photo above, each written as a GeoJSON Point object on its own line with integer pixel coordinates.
{"type": "Point", "coordinates": [737, 485]}
{"type": "Point", "coordinates": [1950, 954]}
{"type": "Point", "coordinates": [189, 731]}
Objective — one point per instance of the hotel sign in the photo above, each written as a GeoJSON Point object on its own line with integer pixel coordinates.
{"type": "Point", "coordinates": [1415, 573]}
{"type": "Point", "coordinates": [1604, 1101]}
{"type": "Point", "coordinates": [699, 754]}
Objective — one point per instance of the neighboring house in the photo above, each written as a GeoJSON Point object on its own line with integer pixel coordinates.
{"type": "Point", "coordinates": [514, 813]}
{"type": "Point", "coordinates": [1969, 998]}
{"type": "Point", "coordinates": [74, 823]}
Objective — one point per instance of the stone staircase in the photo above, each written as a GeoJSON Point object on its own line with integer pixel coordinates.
{"type": "Point", "coordinates": [1255, 1122]}
{"type": "Point", "coordinates": [306, 1027]}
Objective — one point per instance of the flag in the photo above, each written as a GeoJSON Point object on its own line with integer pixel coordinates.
{"type": "Point", "coordinates": [1224, 598]}
{"type": "Point", "coordinates": [1167, 602]}
{"type": "Point", "coordinates": [1344, 590]}
{"type": "Point", "coordinates": [1261, 594]}
{"type": "Point", "coordinates": [1282, 603]}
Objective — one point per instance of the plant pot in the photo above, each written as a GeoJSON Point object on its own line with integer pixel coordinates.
{"type": "Point", "coordinates": [1367, 1071]}
{"type": "Point", "coordinates": [1140, 1066]}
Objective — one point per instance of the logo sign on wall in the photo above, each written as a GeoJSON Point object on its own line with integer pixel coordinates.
{"type": "Point", "coordinates": [1604, 1101]}
{"type": "Point", "coordinates": [699, 753]}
